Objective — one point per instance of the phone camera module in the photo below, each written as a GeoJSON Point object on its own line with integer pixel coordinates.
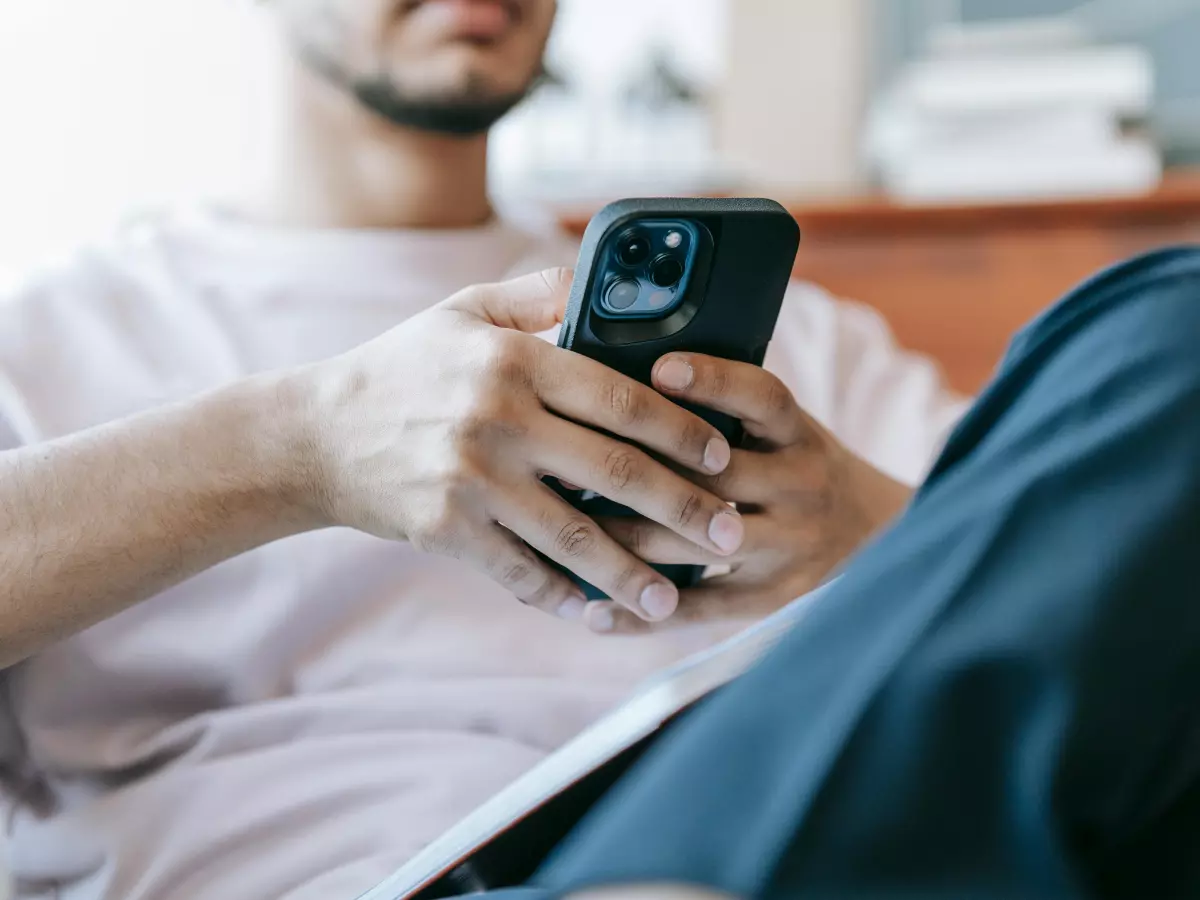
{"type": "Point", "coordinates": [622, 294]}
{"type": "Point", "coordinates": [666, 271]}
{"type": "Point", "coordinates": [633, 250]}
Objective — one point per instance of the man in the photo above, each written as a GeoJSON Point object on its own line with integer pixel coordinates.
{"type": "Point", "coordinates": [298, 719]}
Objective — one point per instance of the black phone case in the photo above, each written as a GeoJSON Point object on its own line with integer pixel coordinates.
{"type": "Point", "coordinates": [737, 289]}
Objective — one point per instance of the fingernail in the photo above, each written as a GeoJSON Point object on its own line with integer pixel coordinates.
{"type": "Point", "coordinates": [601, 618]}
{"type": "Point", "coordinates": [716, 455]}
{"type": "Point", "coordinates": [727, 531]}
{"type": "Point", "coordinates": [659, 600]}
{"type": "Point", "coordinates": [572, 608]}
{"type": "Point", "coordinates": [675, 375]}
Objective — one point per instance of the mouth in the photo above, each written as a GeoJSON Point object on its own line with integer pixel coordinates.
{"type": "Point", "coordinates": [474, 20]}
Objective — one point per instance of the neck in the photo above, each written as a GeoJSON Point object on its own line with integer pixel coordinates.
{"type": "Point", "coordinates": [333, 164]}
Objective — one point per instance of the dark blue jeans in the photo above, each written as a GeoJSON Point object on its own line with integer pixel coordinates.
{"type": "Point", "coordinates": [1001, 697]}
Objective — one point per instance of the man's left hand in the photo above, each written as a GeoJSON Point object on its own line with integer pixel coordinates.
{"type": "Point", "coordinates": [807, 502]}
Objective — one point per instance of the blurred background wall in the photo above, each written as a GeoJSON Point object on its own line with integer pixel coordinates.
{"type": "Point", "coordinates": [110, 105]}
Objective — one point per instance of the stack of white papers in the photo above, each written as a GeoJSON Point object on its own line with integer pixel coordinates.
{"type": "Point", "coordinates": [1015, 125]}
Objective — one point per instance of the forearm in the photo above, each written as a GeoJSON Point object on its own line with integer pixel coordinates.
{"type": "Point", "coordinates": [100, 520]}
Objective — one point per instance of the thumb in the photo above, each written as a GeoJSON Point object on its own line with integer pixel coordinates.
{"type": "Point", "coordinates": [531, 304]}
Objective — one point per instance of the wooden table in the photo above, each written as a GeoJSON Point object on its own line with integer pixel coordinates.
{"type": "Point", "coordinates": [955, 282]}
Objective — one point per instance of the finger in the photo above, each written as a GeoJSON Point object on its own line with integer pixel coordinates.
{"type": "Point", "coordinates": [540, 517]}
{"type": "Point", "coordinates": [624, 474]}
{"type": "Point", "coordinates": [510, 563]}
{"type": "Point", "coordinates": [751, 479]}
{"type": "Point", "coordinates": [715, 600]}
{"type": "Point", "coordinates": [589, 392]}
{"type": "Point", "coordinates": [661, 546]}
{"type": "Point", "coordinates": [531, 304]}
{"type": "Point", "coordinates": [761, 401]}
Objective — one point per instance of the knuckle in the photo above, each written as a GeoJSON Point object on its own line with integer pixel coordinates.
{"type": "Point", "coordinates": [510, 359]}
{"type": "Point", "coordinates": [547, 598]}
{"type": "Point", "coordinates": [473, 429]}
{"type": "Point", "coordinates": [687, 508]}
{"type": "Point", "coordinates": [575, 538]}
{"type": "Point", "coordinates": [719, 381]}
{"type": "Point", "coordinates": [472, 295]}
{"type": "Point", "coordinates": [459, 482]}
{"type": "Point", "coordinates": [637, 539]}
{"type": "Point", "coordinates": [621, 467]}
{"type": "Point", "coordinates": [776, 398]}
{"type": "Point", "coordinates": [490, 417]}
{"type": "Point", "coordinates": [558, 279]}
{"type": "Point", "coordinates": [510, 428]}
{"type": "Point", "coordinates": [625, 579]}
{"type": "Point", "coordinates": [692, 437]}
{"type": "Point", "coordinates": [548, 595]}
{"type": "Point", "coordinates": [515, 571]}
{"type": "Point", "coordinates": [513, 370]}
{"type": "Point", "coordinates": [438, 531]}
{"type": "Point", "coordinates": [624, 402]}
{"type": "Point", "coordinates": [516, 574]}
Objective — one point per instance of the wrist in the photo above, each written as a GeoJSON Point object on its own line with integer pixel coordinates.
{"type": "Point", "coordinates": [276, 412]}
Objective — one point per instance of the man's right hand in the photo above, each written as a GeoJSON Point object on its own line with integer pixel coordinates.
{"type": "Point", "coordinates": [439, 431]}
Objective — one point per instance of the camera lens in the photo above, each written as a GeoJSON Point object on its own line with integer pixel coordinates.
{"type": "Point", "coordinates": [622, 293]}
{"type": "Point", "coordinates": [633, 250]}
{"type": "Point", "coordinates": [666, 271]}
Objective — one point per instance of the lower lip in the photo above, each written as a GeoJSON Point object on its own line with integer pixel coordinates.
{"type": "Point", "coordinates": [473, 19]}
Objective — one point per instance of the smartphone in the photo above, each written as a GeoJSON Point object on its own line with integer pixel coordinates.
{"type": "Point", "coordinates": [701, 275]}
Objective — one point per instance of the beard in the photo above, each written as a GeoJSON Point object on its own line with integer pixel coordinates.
{"type": "Point", "coordinates": [470, 111]}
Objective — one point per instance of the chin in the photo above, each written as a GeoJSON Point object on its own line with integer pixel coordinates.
{"type": "Point", "coordinates": [465, 69]}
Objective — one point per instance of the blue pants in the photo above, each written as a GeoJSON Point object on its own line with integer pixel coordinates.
{"type": "Point", "coordinates": [1001, 697]}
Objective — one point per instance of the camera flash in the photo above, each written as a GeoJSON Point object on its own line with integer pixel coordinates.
{"type": "Point", "coordinates": [674, 239]}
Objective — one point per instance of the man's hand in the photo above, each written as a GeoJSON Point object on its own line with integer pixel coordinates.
{"type": "Point", "coordinates": [807, 501]}
{"type": "Point", "coordinates": [438, 433]}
